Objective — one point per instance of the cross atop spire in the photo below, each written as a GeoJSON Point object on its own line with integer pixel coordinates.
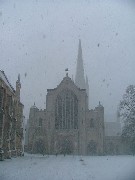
{"type": "Point", "coordinates": [66, 70]}
{"type": "Point", "coordinates": [79, 78]}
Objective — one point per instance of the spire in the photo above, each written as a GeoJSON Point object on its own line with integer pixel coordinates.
{"type": "Point", "coordinates": [79, 78]}
{"type": "Point", "coordinates": [19, 78]}
{"type": "Point", "coordinates": [87, 89]}
{"type": "Point", "coordinates": [18, 81]}
{"type": "Point", "coordinates": [18, 87]}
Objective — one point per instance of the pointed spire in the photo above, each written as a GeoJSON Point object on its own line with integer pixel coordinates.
{"type": "Point", "coordinates": [18, 82]}
{"type": "Point", "coordinates": [87, 88]}
{"type": "Point", "coordinates": [18, 87]}
{"type": "Point", "coordinates": [80, 50]}
{"type": "Point", "coordinates": [79, 78]}
{"type": "Point", "coordinates": [19, 78]}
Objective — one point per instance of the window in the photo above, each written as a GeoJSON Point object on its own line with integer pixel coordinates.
{"type": "Point", "coordinates": [91, 123]}
{"type": "Point", "coordinates": [66, 110]}
{"type": "Point", "coordinates": [40, 122]}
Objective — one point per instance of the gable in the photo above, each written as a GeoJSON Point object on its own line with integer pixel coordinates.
{"type": "Point", "coordinates": [67, 83]}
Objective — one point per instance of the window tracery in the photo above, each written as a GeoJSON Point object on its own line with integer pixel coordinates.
{"type": "Point", "coordinates": [66, 110]}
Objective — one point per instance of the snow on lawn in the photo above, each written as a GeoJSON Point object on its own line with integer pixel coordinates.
{"type": "Point", "coordinates": [38, 167]}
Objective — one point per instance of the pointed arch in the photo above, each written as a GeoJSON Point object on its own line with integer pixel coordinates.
{"type": "Point", "coordinates": [66, 110]}
{"type": "Point", "coordinates": [92, 148]}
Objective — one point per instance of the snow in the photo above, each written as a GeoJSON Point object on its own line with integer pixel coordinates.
{"type": "Point", "coordinates": [38, 167]}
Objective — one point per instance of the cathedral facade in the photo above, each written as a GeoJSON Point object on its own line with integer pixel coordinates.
{"type": "Point", "coordinates": [67, 126]}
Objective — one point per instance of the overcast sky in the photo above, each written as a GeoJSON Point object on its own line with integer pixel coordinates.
{"type": "Point", "coordinates": [39, 39]}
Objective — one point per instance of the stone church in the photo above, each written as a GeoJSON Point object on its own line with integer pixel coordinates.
{"type": "Point", "coordinates": [67, 126]}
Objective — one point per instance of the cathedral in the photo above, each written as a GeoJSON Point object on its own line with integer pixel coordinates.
{"type": "Point", "coordinates": [67, 126]}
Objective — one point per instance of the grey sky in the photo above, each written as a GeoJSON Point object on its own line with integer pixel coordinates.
{"type": "Point", "coordinates": [39, 39]}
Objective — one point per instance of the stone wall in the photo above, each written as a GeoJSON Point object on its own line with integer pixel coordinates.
{"type": "Point", "coordinates": [11, 118]}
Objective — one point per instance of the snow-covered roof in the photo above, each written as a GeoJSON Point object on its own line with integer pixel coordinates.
{"type": "Point", "coordinates": [5, 79]}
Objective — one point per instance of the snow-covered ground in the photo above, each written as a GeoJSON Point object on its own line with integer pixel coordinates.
{"type": "Point", "coordinates": [38, 167]}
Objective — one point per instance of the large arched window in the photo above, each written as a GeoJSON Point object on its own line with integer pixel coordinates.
{"type": "Point", "coordinates": [66, 110]}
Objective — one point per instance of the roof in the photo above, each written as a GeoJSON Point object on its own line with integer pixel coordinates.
{"type": "Point", "coordinates": [6, 81]}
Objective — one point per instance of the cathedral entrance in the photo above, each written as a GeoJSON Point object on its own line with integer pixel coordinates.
{"type": "Point", "coordinates": [65, 147]}
{"type": "Point", "coordinates": [111, 148]}
{"type": "Point", "coordinates": [92, 148]}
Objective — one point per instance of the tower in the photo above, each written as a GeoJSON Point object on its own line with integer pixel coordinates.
{"type": "Point", "coordinates": [79, 78]}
